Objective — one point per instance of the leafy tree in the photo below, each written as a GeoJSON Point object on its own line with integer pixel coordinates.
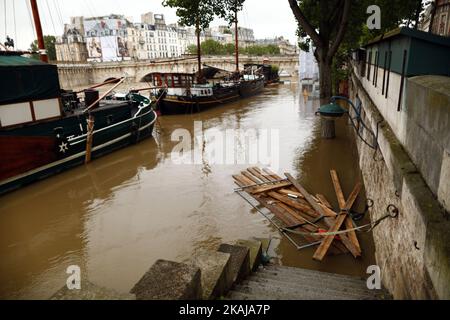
{"type": "Point", "coordinates": [212, 47]}
{"type": "Point", "coordinates": [198, 13]}
{"type": "Point", "coordinates": [49, 42]}
{"type": "Point", "coordinates": [334, 27]}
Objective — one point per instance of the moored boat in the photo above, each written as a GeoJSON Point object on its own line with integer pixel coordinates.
{"type": "Point", "coordinates": [178, 93]}
{"type": "Point", "coordinates": [44, 130]}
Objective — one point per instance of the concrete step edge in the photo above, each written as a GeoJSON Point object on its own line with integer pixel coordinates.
{"type": "Point", "coordinates": [315, 286]}
{"type": "Point", "coordinates": [300, 293]}
{"type": "Point", "coordinates": [314, 280]}
{"type": "Point", "coordinates": [311, 273]}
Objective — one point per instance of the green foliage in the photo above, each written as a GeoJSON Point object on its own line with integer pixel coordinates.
{"type": "Point", "coordinates": [228, 8]}
{"type": "Point", "coordinates": [212, 47]}
{"type": "Point", "coordinates": [257, 50]}
{"type": "Point", "coordinates": [324, 17]}
{"type": "Point", "coordinates": [195, 12]}
{"type": "Point", "coordinates": [49, 42]}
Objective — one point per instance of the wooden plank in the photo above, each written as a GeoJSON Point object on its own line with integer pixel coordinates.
{"type": "Point", "coordinates": [326, 242]}
{"type": "Point", "coordinates": [308, 197]}
{"type": "Point", "coordinates": [271, 174]}
{"type": "Point", "coordinates": [337, 189]}
{"type": "Point", "coordinates": [251, 177]}
{"type": "Point", "coordinates": [288, 191]}
{"type": "Point", "coordinates": [328, 212]}
{"type": "Point", "coordinates": [286, 219]}
{"type": "Point", "coordinates": [344, 238]}
{"type": "Point", "coordinates": [257, 173]}
{"type": "Point", "coordinates": [294, 204]}
{"type": "Point", "coordinates": [324, 200]}
{"type": "Point", "coordinates": [265, 188]}
{"type": "Point", "coordinates": [243, 180]}
{"type": "Point", "coordinates": [338, 248]}
{"type": "Point", "coordinates": [348, 221]}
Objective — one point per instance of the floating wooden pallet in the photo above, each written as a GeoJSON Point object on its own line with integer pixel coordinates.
{"type": "Point", "coordinates": [296, 209]}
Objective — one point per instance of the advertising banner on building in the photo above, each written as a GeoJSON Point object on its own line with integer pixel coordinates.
{"type": "Point", "coordinates": [122, 48]}
{"type": "Point", "coordinates": [109, 48]}
{"type": "Point", "coordinates": [94, 47]}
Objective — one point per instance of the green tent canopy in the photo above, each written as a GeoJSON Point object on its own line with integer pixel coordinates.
{"type": "Point", "coordinates": [23, 79]}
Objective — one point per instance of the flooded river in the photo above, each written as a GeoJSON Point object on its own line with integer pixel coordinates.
{"type": "Point", "coordinates": [119, 214]}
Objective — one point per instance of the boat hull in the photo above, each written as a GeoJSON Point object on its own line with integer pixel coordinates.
{"type": "Point", "coordinates": [171, 105]}
{"type": "Point", "coordinates": [36, 152]}
{"type": "Point", "coordinates": [251, 87]}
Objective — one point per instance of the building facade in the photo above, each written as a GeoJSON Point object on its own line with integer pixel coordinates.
{"type": "Point", "coordinates": [437, 18]}
{"type": "Point", "coordinates": [115, 38]}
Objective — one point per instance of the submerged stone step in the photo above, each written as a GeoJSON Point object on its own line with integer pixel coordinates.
{"type": "Point", "coordinates": [300, 281]}
{"type": "Point", "coordinates": [311, 286]}
{"type": "Point", "coordinates": [90, 291]}
{"type": "Point", "coordinates": [312, 277]}
{"type": "Point", "coordinates": [292, 271]}
{"type": "Point", "coordinates": [168, 280]}
{"type": "Point", "coordinates": [255, 248]}
{"type": "Point", "coordinates": [276, 291]}
{"type": "Point", "coordinates": [239, 261]}
{"type": "Point", "coordinates": [216, 276]}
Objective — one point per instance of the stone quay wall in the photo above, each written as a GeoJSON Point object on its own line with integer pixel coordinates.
{"type": "Point", "coordinates": [413, 250]}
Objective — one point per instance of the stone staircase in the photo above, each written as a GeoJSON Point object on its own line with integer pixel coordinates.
{"type": "Point", "coordinates": [234, 272]}
{"type": "Point", "coordinates": [287, 283]}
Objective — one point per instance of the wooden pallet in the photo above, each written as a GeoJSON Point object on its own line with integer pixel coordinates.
{"type": "Point", "coordinates": [298, 210]}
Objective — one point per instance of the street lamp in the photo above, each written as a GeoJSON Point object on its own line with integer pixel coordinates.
{"type": "Point", "coordinates": [329, 113]}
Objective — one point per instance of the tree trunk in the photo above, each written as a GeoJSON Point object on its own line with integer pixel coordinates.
{"type": "Point", "coordinates": [199, 53]}
{"type": "Point", "coordinates": [325, 81]}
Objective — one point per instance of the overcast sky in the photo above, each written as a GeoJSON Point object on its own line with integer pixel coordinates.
{"type": "Point", "coordinates": [268, 18]}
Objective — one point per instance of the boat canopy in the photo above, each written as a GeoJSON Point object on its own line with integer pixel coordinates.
{"type": "Point", "coordinates": [24, 79]}
{"type": "Point", "coordinates": [171, 80]}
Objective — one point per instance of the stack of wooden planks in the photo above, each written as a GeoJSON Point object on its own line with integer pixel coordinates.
{"type": "Point", "coordinates": [309, 215]}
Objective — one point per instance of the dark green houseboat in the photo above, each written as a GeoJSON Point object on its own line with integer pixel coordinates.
{"type": "Point", "coordinates": [44, 130]}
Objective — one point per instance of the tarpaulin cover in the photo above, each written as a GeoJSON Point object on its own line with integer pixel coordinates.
{"type": "Point", "coordinates": [23, 79]}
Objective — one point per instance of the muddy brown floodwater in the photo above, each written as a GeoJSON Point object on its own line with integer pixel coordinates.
{"type": "Point", "coordinates": [119, 214]}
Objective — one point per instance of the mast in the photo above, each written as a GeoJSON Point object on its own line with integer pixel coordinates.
{"type": "Point", "coordinates": [40, 37]}
{"type": "Point", "coordinates": [199, 52]}
{"type": "Point", "coordinates": [236, 36]}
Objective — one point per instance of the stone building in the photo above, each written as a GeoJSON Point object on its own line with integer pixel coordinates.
{"type": "Point", "coordinates": [286, 48]}
{"type": "Point", "coordinates": [437, 17]}
{"type": "Point", "coordinates": [71, 46]}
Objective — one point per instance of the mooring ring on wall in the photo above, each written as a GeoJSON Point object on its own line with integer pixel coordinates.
{"type": "Point", "coordinates": [392, 210]}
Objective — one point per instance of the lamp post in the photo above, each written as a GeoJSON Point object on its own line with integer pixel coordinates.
{"type": "Point", "coordinates": [329, 113]}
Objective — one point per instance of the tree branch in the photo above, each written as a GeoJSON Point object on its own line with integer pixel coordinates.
{"type": "Point", "coordinates": [301, 19]}
{"type": "Point", "coordinates": [342, 28]}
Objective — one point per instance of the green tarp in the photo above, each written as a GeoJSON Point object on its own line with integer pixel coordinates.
{"type": "Point", "coordinates": [23, 79]}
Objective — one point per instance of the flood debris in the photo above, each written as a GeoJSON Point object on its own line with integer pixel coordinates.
{"type": "Point", "coordinates": [305, 219]}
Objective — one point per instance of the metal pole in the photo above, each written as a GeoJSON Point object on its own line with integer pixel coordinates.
{"type": "Point", "coordinates": [199, 52]}
{"type": "Point", "coordinates": [40, 36]}
{"type": "Point", "coordinates": [236, 36]}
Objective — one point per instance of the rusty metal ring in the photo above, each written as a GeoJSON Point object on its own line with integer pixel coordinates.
{"type": "Point", "coordinates": [369, 203]}
{"type": "Point", "coordinates": [392, 210]}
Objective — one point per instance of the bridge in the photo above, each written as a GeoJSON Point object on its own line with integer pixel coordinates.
{"type": "Point", "coordinates": [75, 75]}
